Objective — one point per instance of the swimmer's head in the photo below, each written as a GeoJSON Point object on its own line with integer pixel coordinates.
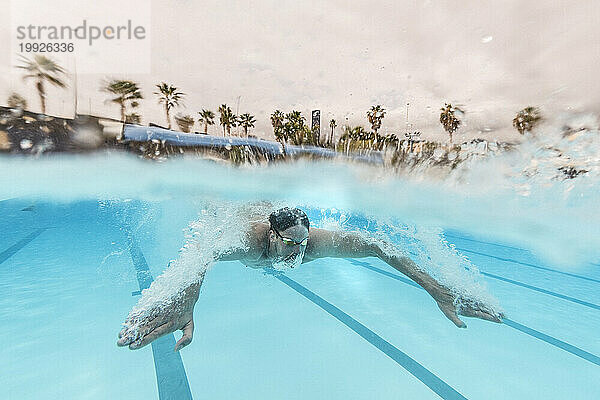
{"type": "Point", "coordinates": [288, 237]}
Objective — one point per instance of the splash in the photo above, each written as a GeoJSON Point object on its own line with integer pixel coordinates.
{"type": "Point", "coordinates": [426, 246]}
{"type": "Point", "coordinates": [219, 230]}
{"type": "Point", "coordinates": [535, 196]}
{"type": "Point", "coordinates": [292, 261]}
{"type": "Point", "coordinates": [551, 156]}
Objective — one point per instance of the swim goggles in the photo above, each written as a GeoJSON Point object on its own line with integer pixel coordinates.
{"type": "Point", "coordinates": [291, 242]}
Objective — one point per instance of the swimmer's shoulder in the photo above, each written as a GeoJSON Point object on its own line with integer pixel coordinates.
{"type": "Point", "coordinates": [257, 234]}
{"type": "Point", "coordinates": [253, 256]}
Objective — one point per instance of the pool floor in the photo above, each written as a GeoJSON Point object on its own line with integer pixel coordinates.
{"type": "Point", "coordinates": [332, 329]}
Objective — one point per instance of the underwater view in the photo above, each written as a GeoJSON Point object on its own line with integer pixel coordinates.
{"type": "Point", "coordinates": [299, 201]}
{"type": "Point", "coordinates": [94, 247]}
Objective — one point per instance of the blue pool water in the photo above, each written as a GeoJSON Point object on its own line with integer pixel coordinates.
{"type": "Point", "coordinates": [332, 329]}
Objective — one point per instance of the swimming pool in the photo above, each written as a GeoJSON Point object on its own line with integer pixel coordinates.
{"type": "Point", "coordinates": [70, 271]}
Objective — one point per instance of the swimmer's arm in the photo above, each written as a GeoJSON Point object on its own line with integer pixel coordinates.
{"type": "Point", "coordinates": [324, 243]}
{"type": "Point", "coordinates": [178, 311]}
{"type": "Point", "coordinates": [176, 314]}
{"type": "Point", "coordinates": [232, 256]}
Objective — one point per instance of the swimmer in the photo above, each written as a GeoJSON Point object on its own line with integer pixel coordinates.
{"type": "Point", "coordinates": [287, 241]}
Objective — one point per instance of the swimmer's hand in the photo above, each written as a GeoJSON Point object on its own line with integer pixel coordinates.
{"type": "Point", "coordinates": [177, 314]}
{"type": "Point", "coordinates": [453, 305]}
{"type": "Point", "coordinates": [447, 300]}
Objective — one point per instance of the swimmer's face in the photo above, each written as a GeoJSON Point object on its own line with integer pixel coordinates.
{"type": "Point", "coordinates": [287, 247]}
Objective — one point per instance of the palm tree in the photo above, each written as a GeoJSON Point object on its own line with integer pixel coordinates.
{"type": "Point", "coordinates": [411, 136]}
{"type": "Point", "coordinates": [170, 96]}
{"type": "Point", "coordinates": [354, 137]}
{"type": "Point", "coordinates": [227, 119]}
{"type": "Point", "coordinates": [375, 116]}
{"type": "Point", "coordinates": [15, 100]}
{"type": "Point", "coordinates": [277, 122]}
{"type": "Point", "coordinates": [207, 118]}
{"type": "Point", "coordinates": [332, 125]}
{"type": "Point", "coordinates": [527, 119]}
{"type": "Point", "coordinates": [246, 121]}
{"type": "Point", "coordinates": [449, 120]}
{"type": "Point", "coordinates": [42, 69]}
{"type": "Point", "coordinates": [391, 139]}
{"type": "Point", "coordinates": [133, 118]}
{"type": "Point", "coordinates": [294, 127]}
{"type": "Point", "coordinates": [124, 92]}
{"type": "Point", "coordinates": [185, 122]}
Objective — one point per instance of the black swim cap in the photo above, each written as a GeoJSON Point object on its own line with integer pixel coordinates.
{"type": "Point", "coordinates": [287, 217]}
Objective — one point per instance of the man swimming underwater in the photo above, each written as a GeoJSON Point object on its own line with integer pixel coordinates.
{"type": "Point", "coordinates": [286, 242]}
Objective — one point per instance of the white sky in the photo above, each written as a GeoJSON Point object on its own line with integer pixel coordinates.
{"type": "Point", "coordinates": [491, 57]}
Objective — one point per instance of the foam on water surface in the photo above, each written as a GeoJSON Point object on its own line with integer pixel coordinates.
{"type": "Point", "coordinates": [521, 197]}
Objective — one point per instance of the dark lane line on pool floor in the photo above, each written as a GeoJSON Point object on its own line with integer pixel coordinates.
{"type": "Point", "coordinates": [513, 324]}
{"type": "Point", "coordinates": [525, 285]}
{"type": "Point", "coordinates": [12, 250]}
{"type": "Point", "coordinates": [553, 341]}
{"type": "Point", "coordinates": [427, 377]}
{"type": "Point", "coordinates": [529, 265]}
{"type": "Point", "coordinates": [453, 236]}
{"type": "Point", "coordinates": [537, 289]}
{"type": "Point", "coordinates": [9, 199]}
{"type": "Point", "coordinates": [171, 377]}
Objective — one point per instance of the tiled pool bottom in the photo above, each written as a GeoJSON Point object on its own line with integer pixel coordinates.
{"type": "Point", "coordinates": [352, 329]}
